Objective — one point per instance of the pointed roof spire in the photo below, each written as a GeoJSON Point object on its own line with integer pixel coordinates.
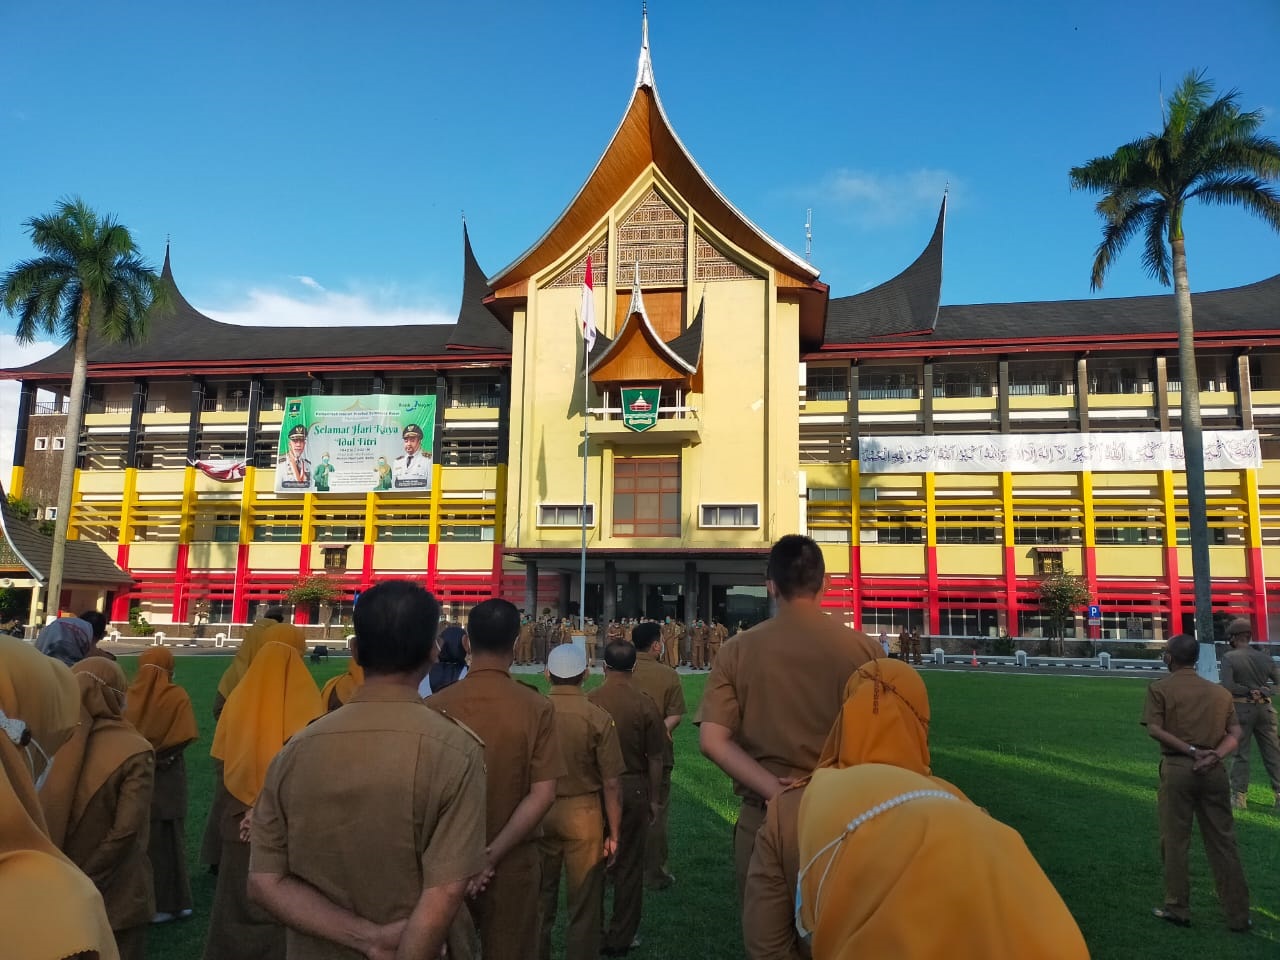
{"type": "Point", "coordinates": [637, 301]}
{"type": "Point", "coordinates": [644, 71]}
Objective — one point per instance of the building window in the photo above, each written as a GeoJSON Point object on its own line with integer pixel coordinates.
{"type": "Point", "coordinates": [226, 529]}
{"type": "Point", "coordinates": [466, 533]}
{"type": "Point", "coordinates": [1049, 562]}
{"type": "Point", "coordinates": [646, 497]}
{"type": "Point", "coordinates": [51, 513]}
{"type": "Point", "coordinates": [829, 534]}
{"type": "Point", "coordinates": [475, 392]}
{"type": "Point", "coordinates": [730, 515]}
{"type": "Point", "coordinates": [826, 383]}
{"type": "Point", "coordinates": [335, 559]}
{"type": "Point", "coordinates": [219, 611]}
{"type": "Point", "coordinates": [59, 443]}
{"type": "Point", "coordinates": [404, 532]}
{"type": "Point", "coordinates": [830, 495]}
{"type": "Point", "coordinates": [565, 515]}
{"type": "Point", "coordinates": [967, 530]}
{"type": "Point", "coordinates": [41, 443]}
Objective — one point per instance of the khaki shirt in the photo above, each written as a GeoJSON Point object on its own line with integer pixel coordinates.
{"type": "Point", "coordinates": [779, 687]}
{"type": "Point", "coordinates": [1248, 668]}
{"type": "Point", "coordinates": [517, 725]}
{"type": "Point", "coordinates": [663, 687]}
{"type": "Point", "coordinates": [588, 742]}
{"type": "Point", "coordinates": [641, 731]}
{"type": "Point", "coordinates": [1190, 707]}
{"type": "Point", "coordinates": [371, 804]}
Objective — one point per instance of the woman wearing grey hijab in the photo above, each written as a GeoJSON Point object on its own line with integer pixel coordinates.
{"type": "Point", "coordinates": [67, 639]}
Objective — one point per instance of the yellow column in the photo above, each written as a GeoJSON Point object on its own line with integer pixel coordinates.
{"type": "Point", "coordinates": [1006, 508]}
{"type": "Point", "coordinates": [1170, 504]}
{"type": "Point", "coordinates": [248, 499]}
{"type": "Point", "coordinates": [308, 517]}
{"type": "Point", "coordinates": [930, 510]}
{"type": "Point", "coordinates": [73, 528]}
{"type": "Point", "coordinates": [187, 522]}
{"type": "Point", "coordinates": [370, 517]}
{"type": "Point", "coordinates": [129, 503]}
{"type": "Point", "coordinates": [1086, 501]}
{"type": "Point", "coordinates": [15, 481]}
{"type": "Point", "coordinates": [437, 472]}
{"type": "Point", "coordinates": [1253, 509]}
{"type": "Point", "coordinates": [500, 504]}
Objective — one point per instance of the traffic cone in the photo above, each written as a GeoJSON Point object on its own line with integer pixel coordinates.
{"type": "Point", "coordinates": [974, 661]}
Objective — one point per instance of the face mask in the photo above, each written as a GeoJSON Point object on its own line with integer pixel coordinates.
{"type": "Point", "coordinates": [20, 734]}
{"type": "Point", "coordinates": [805, 933]}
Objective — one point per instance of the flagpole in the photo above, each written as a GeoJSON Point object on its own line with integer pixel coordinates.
{"type": "Point", "coordinates": [586, 436]}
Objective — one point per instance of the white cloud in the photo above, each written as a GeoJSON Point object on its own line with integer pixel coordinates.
{"type": "Point", "coordinates": [306, 281]}
{"type": "Point", "coordinates": [883, 199]}
{"type": "Point", "coordinates": [15, 355]}
{"type": "Point", "coordinates": [270, 308]}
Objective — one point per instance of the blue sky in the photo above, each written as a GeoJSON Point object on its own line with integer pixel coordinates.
{"type": "Point", "coordinates": [311, 159]}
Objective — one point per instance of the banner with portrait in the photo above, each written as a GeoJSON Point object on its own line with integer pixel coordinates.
{"type": "Point", "coordinates": [356, 444]}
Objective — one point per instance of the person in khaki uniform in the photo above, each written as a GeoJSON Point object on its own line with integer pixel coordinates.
{"type": "Point", "coordinates": [591, 638]}
{"type": "Point", "coordinates": [642, 735]}
{"type": "Point", "coordinates": [662, 685]}
{"type": "Point", "coordinates": [777, 688]}
{"type": "Point", "coordinates": [671, 643]}
{"type": "Point", "coordinates": [718, 635]}
{"type": "Point", "coordinates": [523, 762]}
{"type": "Point", "coordinates": [97, 803]}
{"type": "Point", "coordinates": [524, 642]}
{"type": "Point", "coordinates": [392, 878]}
{"type": "Point", "coordinates": [1193, 721]}
{"type": "Point", "coordinates": [698, 645]}
{"type": "Point", "coordinates": [1251, 677]}
{"type": "Point", "coordinates": [573, 833]}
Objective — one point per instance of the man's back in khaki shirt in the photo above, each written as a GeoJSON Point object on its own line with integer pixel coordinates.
{"type": "Point", "coordinates": [642, 735]}
{"type": "Point", "coordinates": [1193, 709]}
{"type": "Point", "coordinates": [588, 742]}
{"type": "Point", "coordinates": [1245, 669]}
{"type": "Point", "coordinates": [779, 686]}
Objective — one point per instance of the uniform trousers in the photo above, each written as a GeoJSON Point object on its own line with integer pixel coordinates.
{"type": "Point", "coordinates": [1256, 720]}
{"type": "Point", "coordinates": [573, 842]}
{"type": "Point", "coordinates": [1183, 794]}
{"type": "Point", "coordinates": [627, 874]}
{"type": "Point", "coordinates": [591, 649]}
{"type": "Point", "coordinates": [524, 649]}
{"type": "Point", "coordinates": [699, 658]}
{"type": "Point", "coordinates": [750, 819]}
{"type": "Point", "coordinates": [131, 943]}
{"type": "Point", "coordinates": [713, 650]}
{"type": "Point", "coordinates": [509, 910]}
{"type": "Point", "coordinates": [655, 848]}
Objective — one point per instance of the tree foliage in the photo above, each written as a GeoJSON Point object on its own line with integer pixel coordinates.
{"type": "Point", "coordinates": [316, 588]}
{"type": "Point", "coordinates": [1062, 595]}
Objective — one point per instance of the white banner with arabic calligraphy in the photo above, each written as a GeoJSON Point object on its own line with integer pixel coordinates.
{"type": "Point", "coordinates": [1054, 452]}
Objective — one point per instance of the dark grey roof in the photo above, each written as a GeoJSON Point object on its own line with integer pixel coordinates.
{"type": "Point", "coordinates": [85, 563]}
{"type": "Point", "coordinates": [477, 327]}
{"type": "Point", "coordinates": [181, 334]}
{"type": "Point", "coordinates": [1252, 307]}
{"type": "Point", "coordinates": [905, 305]}
{"type": "Point", "coordinates": [688, 346]}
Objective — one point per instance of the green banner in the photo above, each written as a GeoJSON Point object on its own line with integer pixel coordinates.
{"type": "Point", "coordinates": [356, 444]}
{"type": "Point", "coordinates": [640, 407]}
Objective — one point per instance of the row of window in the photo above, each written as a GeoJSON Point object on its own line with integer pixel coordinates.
{"type": "Point", "coordinates": [49, 443]}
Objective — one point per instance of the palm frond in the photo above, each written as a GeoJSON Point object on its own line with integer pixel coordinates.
{"type": "Point", "coordinates": [1117, 232]}
{"type": "Point", "coordinates": [1155, 254]}
{"type": "Point", "coordinates": [1255, 155]}
{"type": "Point", "coordinates": [1251, 193]}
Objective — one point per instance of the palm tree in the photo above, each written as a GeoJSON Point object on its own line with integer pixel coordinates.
{"type": "Point", "coordinates": [1210, 151]}
{"type": "Point", "coordinates": [90, 280]}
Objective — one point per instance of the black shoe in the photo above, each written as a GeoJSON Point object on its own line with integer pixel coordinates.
{"type": "Point", "coordinates": [1162, 914]}
{"type": "Point", "coordinates": [1247, 928]}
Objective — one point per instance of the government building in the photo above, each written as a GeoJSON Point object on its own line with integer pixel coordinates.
{"type": "Point", "coordinates": [945, 457]}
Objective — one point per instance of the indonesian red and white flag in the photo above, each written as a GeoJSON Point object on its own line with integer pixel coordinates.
{"type": "Point", "coordinates": [227, 471]}
{"type": "Point", "coordinates": [587, 313]}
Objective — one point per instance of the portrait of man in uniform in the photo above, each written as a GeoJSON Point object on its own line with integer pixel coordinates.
{"type": "Point", "coordinates": [413, 469]}
{"type": "Point", "coordinates": [293, 472]}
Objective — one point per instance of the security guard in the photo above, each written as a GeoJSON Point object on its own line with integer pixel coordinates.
{"type": "Point", "coordinates": [412, 470]}
{"type": "Point", "coordinates": [1251, 677]}
{"type": "Point", "coordinates": [1192, 720]}
{"type": "Point", "coordinates": [293, 471]}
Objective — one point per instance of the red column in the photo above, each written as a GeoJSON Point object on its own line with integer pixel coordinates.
{"type": "Point", "coordinates": [1010, 591]}
{"type": "Point", "coordinates": [1091, 580]}
{"type": "Point", "coordinates": [855, 581]}
{"type": "Point", "coordinates": [120, 602]}
{"type": "Point", "coordinates": [1173, 584]}
{"type": "Point", "coordinates": [433, 562]}
{"type": "Point", "coordinates": [181, 578]}
{"type": "Point", "coordinates": [1258, 590]}
{"type": "Point", "coordinates": [366, 568]}
{"type": "Point", "coordinates": [495, 586]}
{"type": "Point", "coordinates": [931, 581]}
{"type": "Point", "coordinates": [239, 602]}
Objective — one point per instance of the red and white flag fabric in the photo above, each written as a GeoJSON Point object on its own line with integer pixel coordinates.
{"type": "Point", "coordinates": [587, 313]}
{"type": "Point", "coordinates": [226, 471]}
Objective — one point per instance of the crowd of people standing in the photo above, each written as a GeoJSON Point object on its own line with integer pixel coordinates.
{"type": "Point", "coordinates": [428, 803]}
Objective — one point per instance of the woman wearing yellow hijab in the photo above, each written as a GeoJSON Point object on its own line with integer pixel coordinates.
{"type": "Point", "coordinates": [879, 844]}
{"type": "Point", "coordinates": [338, 690]}
{"type": "Point", "coordinates": [211, 842]}
{"type": "Point", "coordinates": [97, 803]}
{"type": "Point", "coordinates": [885, 719]}
{"type": "Point", "coordinates": [161, 711]}
{"type": "Point", "coordinates": [48, 908]}
{"type": "Point", "coordinates": [276, 698]}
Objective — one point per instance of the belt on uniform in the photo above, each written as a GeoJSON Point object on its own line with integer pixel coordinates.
{"type": "Point", "coordinates": [1174, 753]}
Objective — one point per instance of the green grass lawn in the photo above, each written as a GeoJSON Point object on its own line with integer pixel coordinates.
{"type": "Point", "coordinates": [1062, 760]}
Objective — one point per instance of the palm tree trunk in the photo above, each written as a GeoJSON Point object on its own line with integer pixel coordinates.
{"type": "Point", "coordinates": [1193, 446]}
{"type": "Point", "coordinates": [70, 456]}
